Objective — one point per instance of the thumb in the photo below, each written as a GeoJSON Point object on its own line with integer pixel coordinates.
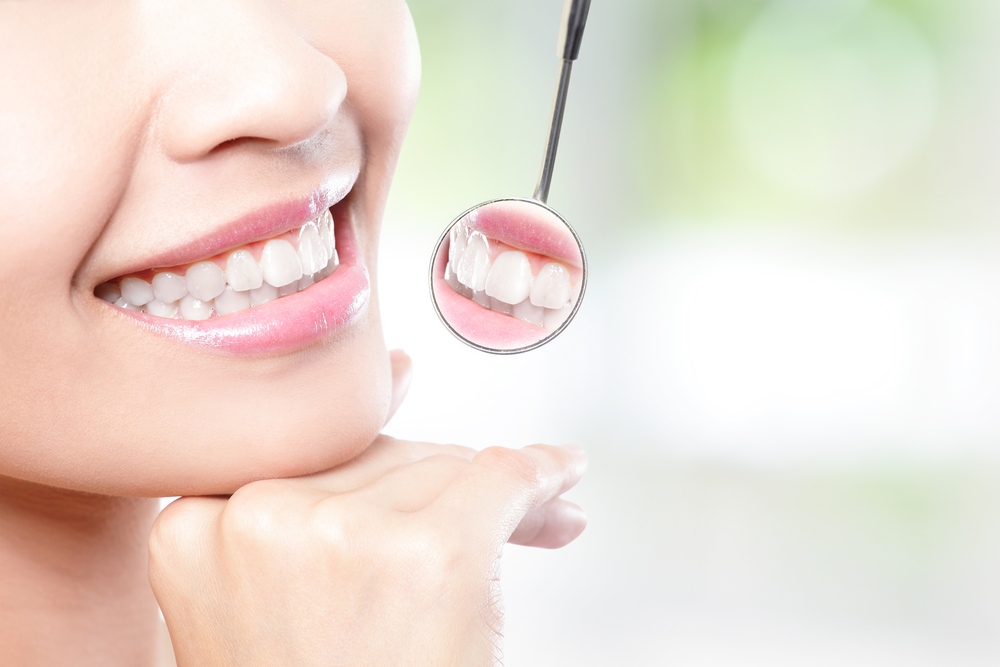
{"type": "Point", "coordinates": [402, 374]}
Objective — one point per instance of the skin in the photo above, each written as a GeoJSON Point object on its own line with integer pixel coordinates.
{"type": "Point", "coordinates": [130, 127]}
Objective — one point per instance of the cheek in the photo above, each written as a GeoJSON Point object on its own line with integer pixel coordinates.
{"type": "Point", "coordinates": [69, 128]}
{"type": "Point", "coordinates": [65, 152]}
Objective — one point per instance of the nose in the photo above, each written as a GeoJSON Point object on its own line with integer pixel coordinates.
{"type": "Point", "coordinates": [258, 81]}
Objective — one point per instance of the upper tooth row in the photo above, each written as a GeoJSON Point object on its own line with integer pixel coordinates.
{"type": "Point", "coordinates": [245, 281]}
{"type": "Point", "coordinates": [508, 278]}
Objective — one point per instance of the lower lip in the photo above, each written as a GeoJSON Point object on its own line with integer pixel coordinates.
{"type": "Point", "coordinates": [477, 324]}
{"type": "Point", "coordinates": [285, 324]}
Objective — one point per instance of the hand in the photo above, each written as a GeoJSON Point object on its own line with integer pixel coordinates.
{"type": "Point", "coordinates": [389, 559]}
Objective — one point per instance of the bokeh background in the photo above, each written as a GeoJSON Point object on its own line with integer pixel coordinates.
{"type": "Point", "coordinates": [786, 369]}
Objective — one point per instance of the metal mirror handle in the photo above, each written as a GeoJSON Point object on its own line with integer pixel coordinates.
{"type": "Point", "coordinates": [574, 20]}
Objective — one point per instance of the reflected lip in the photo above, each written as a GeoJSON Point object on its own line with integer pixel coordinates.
{"type": "Point", "coordinates": [507, 221]}
{"type": "Point", "coordinates": [260, 224]}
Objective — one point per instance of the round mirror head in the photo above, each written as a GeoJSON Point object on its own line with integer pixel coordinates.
{"type": "Point", "coordinates": [508, 276]}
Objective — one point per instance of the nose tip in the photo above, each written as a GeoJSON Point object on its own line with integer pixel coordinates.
{"type": "Point", "coordinates": [276, 95]}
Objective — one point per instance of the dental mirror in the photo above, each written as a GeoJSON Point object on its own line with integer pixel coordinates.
{"type": "Point", "coordinates": [508, 275]}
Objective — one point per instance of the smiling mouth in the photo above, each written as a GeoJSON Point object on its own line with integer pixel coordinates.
{"type": "Point", "coordinates": [236, 280]}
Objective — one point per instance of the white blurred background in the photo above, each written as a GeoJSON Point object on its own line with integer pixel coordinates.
{"type": "Point", "coordinates": [786, 369]}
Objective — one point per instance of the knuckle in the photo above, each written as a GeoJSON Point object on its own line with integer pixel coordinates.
{"type": "Point", "coordinates": [333, 522]}
{"type": "Point", "coordinates": [176, 531]}
{"type": "Point", "coordinates": [436, 556]}
{"type": "Point", "coordinates": [512, 462]}
{"type": "Point", "coordinates": [256, 513]}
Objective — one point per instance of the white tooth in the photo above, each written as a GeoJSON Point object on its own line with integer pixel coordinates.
{"type": "Point", "coordinates": [555, 318]}
{"type": "Point", "coordinates": [459, 240]}
{"type": "Point", "coordinates": [108, 291]}
{"type": "Point", "coordinates": [280, 263]}
{"type": "Point", "coordinates": [205, 281]}
{"type": "Point", "coordinates": [474, 265]}
{"type": "Point", "coordinates": [290, 288]}
{"type": "Point", "coordinates": [500, 306]}
{"type": "Point", "coordinates": [330, 267]}
{"type": "Point", "coordinates": [312, 252]}
{"type": "Point", "coordinates": [452, 280]}
{"type": "Point", "coordinates": [263, 294]}
{"type": "Point", "coordinates": [160, 309]}
{"type": "Point", "coordinates": [231, 301]}
{"type": "Point", "coordinates": [510, 277]}
{"type": "Point", "coordinates": [550, 288]}
{"type": "Point", "coordinates": [169, 287]}
{"type": "Point", "coordinates": [306, 281]}
{"type": "Point", "coordinates": [327, 232]}
{"type": "Point", "coordinates": [481, 299]}
{"type": "Point", "coordinates": [243, 272]}
{"type": "Point", "coordinates": [122, 303]}
{"type": "Point", "coordinates": [529, 313]}
{"type": "Point", "coordinates": [136, 291]}
{"type": "Point", "coordinates": [193, 308]}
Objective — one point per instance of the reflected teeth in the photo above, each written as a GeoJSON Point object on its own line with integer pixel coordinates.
{"type": "Point", "coordinates": [506, 284]}
{"type": "Point", "coordinates": [205, 289]}
{"type": "Point", "coordinates": [510, 278]}
{"type": "Point", "coordinates": [474, 265]}
{"type": "Point", "coordinates": [459, 239]}
{"type": "Point", "coordinates": [551, 288]}
{"type": "Point", "coordinates": [500, 306]}
{"type": "Point", "coordinates": [529, 313]}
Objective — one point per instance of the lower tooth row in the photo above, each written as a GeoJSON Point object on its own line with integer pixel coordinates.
{"type": "Point", "coordinates": [205, 289]}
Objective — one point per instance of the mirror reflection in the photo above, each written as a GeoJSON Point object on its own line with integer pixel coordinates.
{"type": "Point", "coordinates": [508, 275]}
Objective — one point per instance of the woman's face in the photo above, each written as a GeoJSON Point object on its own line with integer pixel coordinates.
{"type": "Point", "coordinates": [144, 137]}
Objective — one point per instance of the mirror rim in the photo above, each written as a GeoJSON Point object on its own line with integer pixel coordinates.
{"type": "Point", "coordinates": [537, 344]}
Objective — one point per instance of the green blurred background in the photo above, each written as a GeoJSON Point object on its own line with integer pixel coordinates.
{"type": "Point", "coordinates": [786, 368]}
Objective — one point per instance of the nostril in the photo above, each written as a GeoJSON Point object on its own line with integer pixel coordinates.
{"type": "Point", "coordinates": [240, 141]}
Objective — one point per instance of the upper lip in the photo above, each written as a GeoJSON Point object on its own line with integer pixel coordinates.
{"type": "Point", "coordinates": [262, 223]}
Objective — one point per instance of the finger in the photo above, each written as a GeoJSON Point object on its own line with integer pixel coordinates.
{"type": "Point", "coordinates": [402, 375]}
{"type": "Point", "coordinates": [413, 487]}
{"type": "Point", "coordinates": [551, 526]}
{"type": "Point", "coordinates": [384, 454]}
{"type": "Point", "coordinates": [502, 485]}
{"type": "Point", "coordinates": [180, 531]}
